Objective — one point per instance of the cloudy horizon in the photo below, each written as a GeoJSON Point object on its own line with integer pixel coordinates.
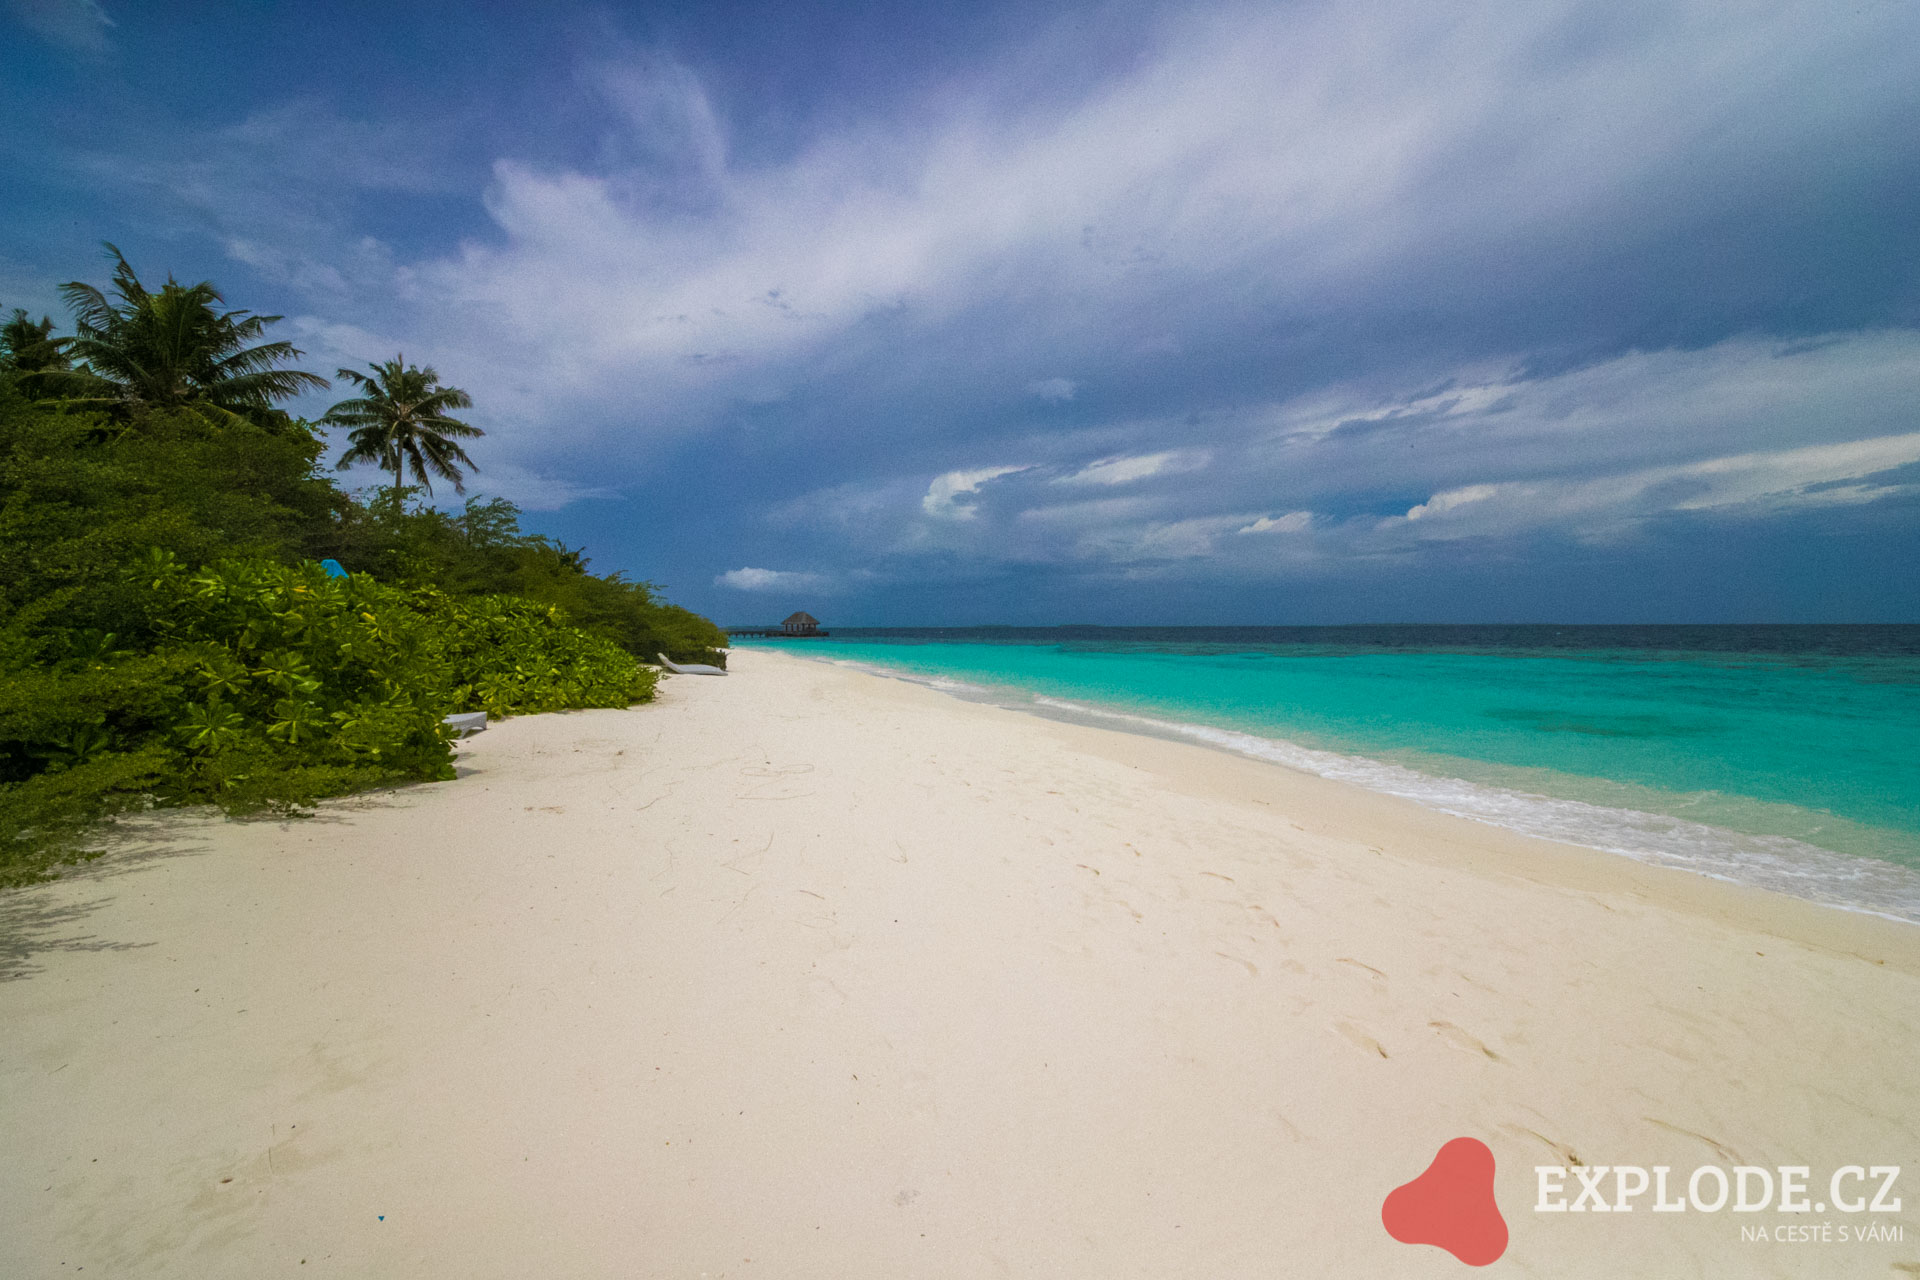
{"type": "Point", "coordinates": [1234, 313]}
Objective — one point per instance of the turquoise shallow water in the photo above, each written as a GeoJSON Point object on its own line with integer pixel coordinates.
{"type": "Point", "coordinates": [1788, 757]}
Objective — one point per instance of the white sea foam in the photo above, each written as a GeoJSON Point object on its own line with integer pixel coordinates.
{"type": "Point", "coordinates": [1777, 863]}
{"type": "Point", "coordinates": [1767, 862]}
{"type": "Point", "coordinates": [945, 684]}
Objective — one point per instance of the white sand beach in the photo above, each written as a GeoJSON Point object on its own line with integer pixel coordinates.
{"type": "Point", "coordinates": [809, 973]}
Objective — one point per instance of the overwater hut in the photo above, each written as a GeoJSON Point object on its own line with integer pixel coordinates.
{"type": "Point", "coordinates": [800, 624]}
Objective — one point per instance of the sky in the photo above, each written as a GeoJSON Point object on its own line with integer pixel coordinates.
{"type": "Point", "coordinates": [912, 314]}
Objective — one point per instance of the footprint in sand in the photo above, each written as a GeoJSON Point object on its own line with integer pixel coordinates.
{"type": "Point", "coordinates": [1360, 1038]}
{"type": "Point", "coordinates": [774, 791]}
{"type": "Point", "coordinates": [1248, 964]}
{"type": "Point", "coordinates": [1461, 1040]}
{"type": "Point", "coordinates": [780, 781]}
{"type": "Point", "coordinates": [1726, 1153]}
{"type": "Point", "coordinates": [1561, 1150]}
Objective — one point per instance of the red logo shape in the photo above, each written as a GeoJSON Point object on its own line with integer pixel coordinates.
{"type": "Point", "coordinates": [1451, 1205]}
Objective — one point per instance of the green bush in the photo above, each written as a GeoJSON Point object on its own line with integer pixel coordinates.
{"type": "Point", "coordinates": [481, 550]}
{"type": "Point", "coordinates": [511, 655]}
{"type": "Point", "coordinates": [82, 497]}
{"type": "Point", "coordinates": [271, 686]}
{"type": "Point", "coordinates": [165, 637]}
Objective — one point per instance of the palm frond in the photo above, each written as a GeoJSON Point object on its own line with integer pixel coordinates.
{"type": "Point", "coordinates": [444, 399]}
{"type": "Point", "coordinates": [80, 385]}
{"type": "Point", "coordinates": [269, 385]}
{"type": "Point", "coordinates": [176, 347]}
{"type": "Point", "coordinates": [125, 283]}
{"type": "Point", "coordinates": [352, 413]}
{"type": "Point", "coordinates": [93, 315]}
{"type": "Point", "coordinates": [400, 422]}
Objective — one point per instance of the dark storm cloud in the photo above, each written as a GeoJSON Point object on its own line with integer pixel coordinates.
{"type": "Point", "coordinates": [1202, 301]}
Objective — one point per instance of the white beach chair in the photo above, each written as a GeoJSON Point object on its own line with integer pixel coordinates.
{"type": "Point", "coordinates": [691, 669]}
{"type": "Point", "coordinates": [467, 723]}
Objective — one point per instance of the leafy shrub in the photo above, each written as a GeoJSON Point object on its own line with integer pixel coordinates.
{"type": "Point", "coordinates": [291, 669]}
{"type": "Point", "coordinates": [82, 497]}
{"type": "Point", "coordinates": [270, 686]}
{"type": "Point", "coordinates": [164, 638]}
{"type": "Point", "coordinates": [481, 550]}
{"type": "Point", "coordinates": [512, 655]}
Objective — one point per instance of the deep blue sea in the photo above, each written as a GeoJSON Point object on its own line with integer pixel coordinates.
{"type": "Point", "coordinates": [1781, 756]}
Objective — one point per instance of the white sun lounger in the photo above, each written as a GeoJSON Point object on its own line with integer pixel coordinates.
{"type": "Point", "coordinates": [467, 722]}
{"type": "Point", "coordinates": [691, 669]}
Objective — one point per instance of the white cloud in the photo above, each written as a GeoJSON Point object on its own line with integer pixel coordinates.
{"type": "Point", "coordinates": [526, 489]}
{"type": "Point", "coordinates": [78, 24]}
{"type": "Point", "coordinates": [856, 506]}
{"type": "Point", "coordinates": [1292, 522]}
{"type": "Point", "coordinates": [942, 497]}
{"type": "Point", "coordinates": [302, 273]}
{"type": "Point", "coordinates": [1301, 154]}
{"type": "Point", "coordinates": [1091, 513]}
{"type": "Point", "coordinates": [1315, 416]}
{"type": "Point", "coordinates": [330, 345]}
{"type": "Point", "coordinates": [747, 579]}
{"type": "Point", "coordinates": [1796, 477]}
{"type": "Point", "coordinates": [1740, 430]}
{"type": "Point", "coordinates": [1160, 540]}
{"type": "Point", "coordinates": [1300, 151]}
{"type": "Point", "coordinates": [1440, 503]}
{"type": "Point", "coordinates": [1126, 470]}
{"type": "Point", "coordinates": [670, 121]}
{"type": "Point", "coordinates": [1611, 506]}
{"type": "Point", "coordinates": [532, 488]}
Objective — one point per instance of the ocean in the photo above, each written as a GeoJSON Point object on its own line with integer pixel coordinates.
{"type": "Point", "coordinates": [1786, 757]}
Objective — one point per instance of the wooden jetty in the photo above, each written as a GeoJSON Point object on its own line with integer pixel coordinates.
{"type": "Point", "coordinates": [801, 626]}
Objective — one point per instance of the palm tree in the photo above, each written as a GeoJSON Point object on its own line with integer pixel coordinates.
{"type": "Point", "coordinates": [28, 347]}
{"type": "Point", "coordinates": [402, 420]}
{"type": "Point", "coordinates": [173, 349]}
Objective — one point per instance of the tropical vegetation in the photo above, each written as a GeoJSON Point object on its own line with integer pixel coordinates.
{"type": "Point", "coordinates": [167, 633]}
{"type": "Point", "coordinates": [174, 350]}
{"type": "Point", "coordinates": [402, 420]}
